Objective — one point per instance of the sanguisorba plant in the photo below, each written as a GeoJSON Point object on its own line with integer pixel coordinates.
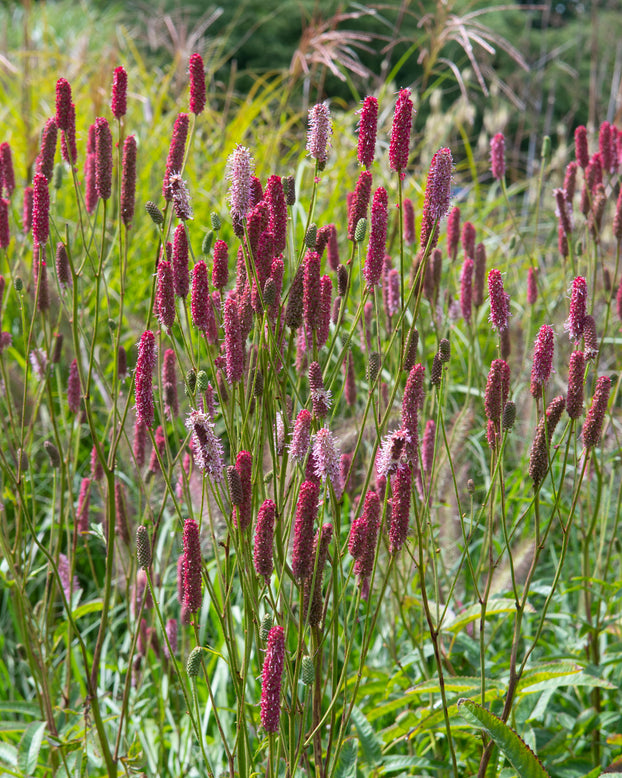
{"type": "Point", "coordinates": [302, 525]}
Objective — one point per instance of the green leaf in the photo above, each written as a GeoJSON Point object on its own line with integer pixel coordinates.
{"type": "Point", "coordinates": [346, 767]}
{"type": "Point", "coordinates": [8, 755]}
{"type": "Point", "coordinates": [474, 612]}
{"type": "Point", "coordinates": [458, 684]}
{"type": "Point", "coordinates": [370, 744]}
{"type": "Point", "coordinates": [518, 753]}
{"type": "Point", "coordinates": [29, 747]}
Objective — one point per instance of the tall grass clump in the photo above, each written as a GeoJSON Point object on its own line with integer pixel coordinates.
{"type": "Point", "coordinates": [286, 488]}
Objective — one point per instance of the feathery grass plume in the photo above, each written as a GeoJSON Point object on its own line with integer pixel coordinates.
{"type": "Point", "coordinates": [73, 388]}
{"type": "Point", "coordinates": [497, 156]}
{"type": "Point", "coordinates": [453, 232]}
{"type": "Point", "coordinates": [372, 270]}
{"type": "Point", "coordinates": [400, 132]}
{"type": "Point", "coordinates": [159, 448]}
{"type": "Point", "coordinates": [497, 389]}
{"type": "Point", "coordinates": [326, 455]}
{"type": "Point", "coordinates": [367, 129]}
{"type": "Point", "coordinates": [5, 233]}
{"type": "Point", "coordinates": [118, 101]}
{"type": "Point", "coordinates": [175, 159]}
{"type": "Point", "coordinates": [84, 504]}
{"type": "Point", "coordinates": [539, 453]}
{"type": "Point", "coordinates": [360, 202]}
{"type": "Point", "coordinates": [103, 158]}
{"type": "Point", "coordinates": [574, 396]}
{"type": "Point", "coordinates": [181, 279]}
{"type": "Point", "coordinates": [306, 513]}
{"type": "Point", "coordinates": [220, 266]}
{"type": "Point", "coordinates": [363, 537]}
{"type": "Point", "coordinates": [271, 679]}
{"type": "Point", "coordinates": [68, 148]}
{"type": "Point", "coordinates": [143, 547]}
{"type": "Point", "coordinates": [466, 289]}
{"type": "Point", "coordinates": [47, 150]}
{"type": "Point", "coordinates": [318, 134]}
{"type": "Point", "coordinates": [234, 346]}
{"type": "Point", "coordinates": [580, 147]}
{"type": "Point", "coordinates": [128, 181]}
{"type": "Point", "coordinates": [240, 166]}
{"type": "Point", "coordinates": [313, 604]}
{"type": "Point", "coordinates": [207, 448]}
{"type": "Point", "coordinates": [193, 596]}
{"type": "Point", "coordinates": [169, 383]}
{"type": "Point", "coordinates": [143, 378]}
{"type": "Point", "coordinates": [40, 210]}
{"type": "Point", "coordinates": [197, 84]}
{"type": "Point", "coordinates": [542, 360]}
{"type": "Point", "coordinates": [578, 308]}
{"type": "Point", "coordinates": [499, 301]}
{"type": "Point", "coordinates": [165, 295]}
{"type": "Point", "coordinates": [595, 417]}
{"type": "Point", "coordinates": [301, 436]}
{"type": "Point", "coordinates": [244, 467]}
{"type": "Point", "coordinates": [27, 210]}
{"type": "Point", "coordinates": [436, 199]}
{"type": "Point", "coordinates": [401, 485]}
{"type": "Point", "coordinates": [264, 540]}
{"type": "Point", "coordinates": [63, 104]}
{"type": "Point", "coordinates": [7, 174]}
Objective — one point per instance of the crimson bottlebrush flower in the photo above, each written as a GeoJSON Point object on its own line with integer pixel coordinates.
{"type": "Point", "coordinates": [427, 446]}
{"type": "Point", "coordinates": [468, 239]}
{"type": "Point", "coordinates": [617, 219]}
{"type": "Point", "coordinates": [159, 448]}
{"type": "Point", "coordinates": [197, 84]}
{"type": "Point", "coordinates": [539, 453]}
{"type": "Point", "coordinates": [256, 192]}
{"type": "Point", "coordinates": [245, 314]}
{"type": "Point", "coordinates": [7, 174]}
{"type": "Point", "coordinates": [311, 296]}
{"type": "Point", "coordinates": [206, 447]}
{"type": "Point", "coordinates": [401, 484]}
{"type": "Point", "coordinates": [321, 240]}
{"type": "Point", "coordinates": [590, 338]}
{"type": "Point", "coordinates": [301, 436]}
{"type": "Point", "coordinates": [40, 210]}
{"type": "Point", "coordinates": [5, 233]}
{"type": "Point", "coordinates": [220, 267]}
{"type": "Point", "coordinates": [27, 209]}
{"type": "Point", "coordinates": [574, 397]}
{"type": "Point", "coordinates": [169, 383]}
{"type": "Point", "coordinates": [497, 156]}
{"type": "Point", "coordinates": [499, 301]}
{"type": "Point", "coordinates": [364, 535]}
{"type": "Point", "coordinates": [128, 181]}
{"type": "Point", "coordinates": [570, 182]}
{"type": "Point", "coordinates": [165, 295]}
{"type": "Point", "coordinates": [597, 211]}
{"type": "Point", "coordinates": [413, 399]}
{"type": "Point", "coordinates": [532, 286]}
{"type": "Point", "coordinates": [43, 296]}
{"type": "Point", "coordinates": [68, 148]}
{"type": "Point", "coordinates": [324, 310]}
{"type": "Point", "coordinates": [63, 104]}
{"type": "Point", "coordinates": [372, 270]}
{"type": "Point", "coordinates": [103, 158]}
{"type": "Point", "coordinates": [326, 455]}
{"type": "Point", "coordinates": [277, 209]}
{"type": "Point", "coordinates": [595, 417]}
{"type": "Point", "coordinates": [479, 275]}
{"type": "Point", "coordinates": [466, 289]}
{"type": "Point", "coordinates": [606, 148]}
{"type": "Point", "coordinates": [497, 389]}
{"type": "Point", "coordinates": [453, 231]}
{"type": "Point", "coordinates": [240, 167]}
{"type": "Point", "coordinates": [200, 302]}
{"type": "Point", "coordinates": [562, 241]}
{"type": "Point", "coordinates": [594, 172]}
{"type": "Point", "coordinates": [306, 513]}
{"type": "Point", "coordinates": [312, 600]}
{"type": "Point", "coordinates": [47, 150]}
{"type": "Point", "coordinates": [264, 539]}
{"type": "Point", "coordinates": [360, 202]}
{"type": "Point", "coordinates": [181, 280]}
{"type": "Point", "coordinates": [318, 134]}
{"type": "Point", "coordinates": [97, 471]}
{"type": "Point", "coordinates": [175, 159]}
{"type": "Point", "coordinates": [90, 191]}
{"type": "Point", "coordinates": [578, 309]}
{"type": "Point", "coordinates": [409, 222]}
{"type": "Point", "coordinates": [73, 388]}
{"type": "Point", "coordinates": [143, 378]}
{"type": "Point", "coordinates": [332, 248]}
{"type": "Point", "coordinates": [118, 102]}
{"type": "Point", "coordinates": [244, 468]}
{"type": "Point", "coordinates": [436, 199]}
{"type": "Point", "coordinates": [400, 132]}
{"type": "Point", "coordinates": [180, 578]}
{"type": "Point", "coordinates": [84, 503]}
{"type": "Point", "coordinates": [320, 397]}
{"type": "Point", "coordinates": [193, 597]}
{"type": "Point", "coordinates": [234, 346]}
{"type": "Point", "coordinates": [140, 442]}
{"type": "Point", "coordinates": [542, 360]}
{"type": "Point", "coordinates": [368, 125]}
{"type": "Point", "coordinates": [580, 147]}
{"type": "Point", "coordinates": [271, 676]}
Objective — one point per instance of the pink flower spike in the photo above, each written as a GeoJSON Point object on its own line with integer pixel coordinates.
{"type": "Point", "coordinates": [47, 150]}
{"type": "Point", "coordinates": [103, 158]}
{"type": "Point", "coordinates": [574, 396]}
{"type": "Point", "coordinates": [578, 309]}
{"type": "Point", "coordinates": [372, 270]}
{"type": "Point", "coordinates": [437, 197]}
{"type": "Point", "coordinates": [40, 210]}
{"type": "Point", "coordinates": [74, 390]}
{"type": "Point", "coordinates": [192, 565]}
{"type": "Point", "coordinates": [5, 233]}
{"type": "Point", "coordinates": [326, 455]}
{"type": "Point", "coordinates": [497, 156]}
{"type": "Point", "coordinates": [306, 513]}
{"type": "Point", "coordinates": [319, 133]}
{"type": "Point", "coordinates": [118, 103]}
{"type": "Point", "coordinates": [595, 418]}
{"type": "Point", "coordinates": [367, 131]}
{"type": "Point", "coordinates": [181, 279]}
{"type": "Point", "coordinates": [240, 166]}
{"type": "Point", "coordinates": [401, 484]}
{"type": "Point", "coordinates": [165, 295]}
{"type": "Point", "coordinates": [301, 436]}
{"type": "Point", "coordinates": [234, 347]}
{"type": "Point", "coordinates": [466, 289]}
{"type": "Point", "coordinates": [409, 222]}
{"type": "Point", "coordinates": [175, 160]}
{"type": "Point", "coordinates": [143, 379]}
{"type": "Point", "coordinates": [542, 360]}
{"type": "Point", "coordinates": [400, 132]}
{"type": "Point", "coordinates": [128, 181]}
{"type": "Point", "coordinates": [63, 104]}
{"type": "Point", "coordinates": [207, 448]}
{"type": "Point", "coordinates": [499, 301]}
{"type": "Point", "coordinates": [453, 231]}
{"type": "Point", "coordinates": [360, 202]}
{"type": "Point", "coordinates": [264, 539]}
{"type": "Point", "coordinates": [7, 174]}
{"type": "Point", "coordinates": [196, 72]}
{"type": "Point", "coordinates": [581, 148]}
{"type": "Point", "coordinates": [271, 676]}
{"type": "Point", "coordinates": [243, 512]}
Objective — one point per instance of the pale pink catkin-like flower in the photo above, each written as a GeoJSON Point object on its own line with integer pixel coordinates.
{"type": "Point", "coordinates": [497, 156]}
{"type": "Point", "coordinates": [240, 167]}
{"type": "Point", "coordinates": [207, 448]}
{"type": "Point", "coordinates": [271, 675]}
{"type": "Point", "coordinates": [532, 286]}
{"type": "Point", "coordinates": [499, 301]}
{"type": "Point", "coordinates": [409, 222]}
{"type": "Point", "coordinates": [326, 455]}
{"type": "Point", "coordinates": [399, 146]}
{"type": "Point", "coordinates": [318, 134]}
{"type": "Point", "coordinates": [301, 436]}
{"type": "Point", "coordinates": [368, 125]}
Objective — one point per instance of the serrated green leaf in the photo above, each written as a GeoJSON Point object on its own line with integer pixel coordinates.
{"type": "Point", "coordinates": [372, 749]}
{"type": "Point", "coordinates": [29, 747]}
{"type": "Point", "coordinates": [518, 753]}
{"type": "Point", "coordinates": [346, 767]}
